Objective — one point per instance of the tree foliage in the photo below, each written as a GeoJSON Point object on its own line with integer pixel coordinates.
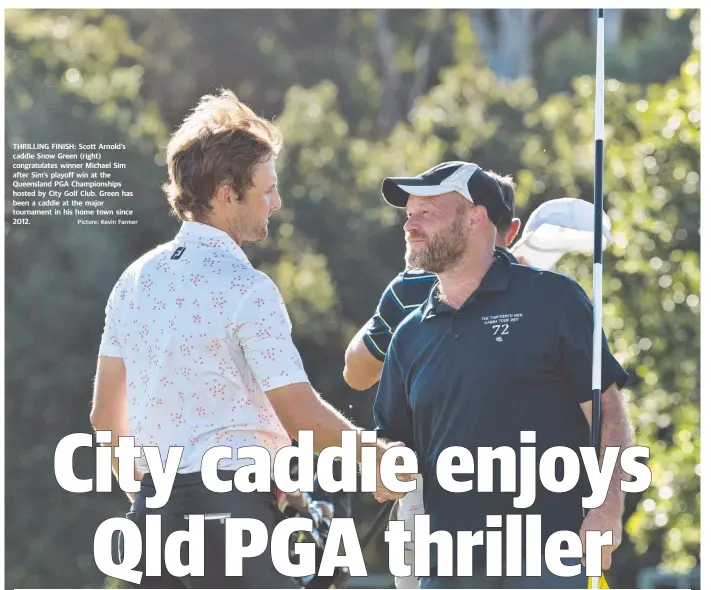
{"type": "Point", "coordinates": [652, 275]}
{"type": "Point", "coordinates": [89, 76]}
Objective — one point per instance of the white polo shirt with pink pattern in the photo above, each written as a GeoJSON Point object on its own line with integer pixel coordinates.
{"type": "Point", "coordinates": [203, 336]}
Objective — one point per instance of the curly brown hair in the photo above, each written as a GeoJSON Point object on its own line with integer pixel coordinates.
{"type": "Point", "coordinates": [221, 141]}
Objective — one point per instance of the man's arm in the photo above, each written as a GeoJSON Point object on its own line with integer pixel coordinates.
{"type": "Point", "coordinates": [109, 410]}
{"type": "Point", "coordinates": [299, 407]}
{"type": "Point", "coordinates": [616, 431]}
{"type": "Point", "coordinates": [366, 352]}
{"type": "Point", "coordinates": [575, 332]}
{"type": "Point", "coordinates": [361, 370]}
{"type": "Point", "coordinates": [264, 333]}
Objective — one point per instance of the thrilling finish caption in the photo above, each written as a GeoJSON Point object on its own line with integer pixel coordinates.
{"type": "Point", "coordinates": [69, 180]}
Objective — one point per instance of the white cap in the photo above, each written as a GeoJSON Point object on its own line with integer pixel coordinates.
{"type": "Point", "coordinates": [557, 227]}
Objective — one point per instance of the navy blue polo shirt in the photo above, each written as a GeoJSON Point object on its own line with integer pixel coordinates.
{"type": "Point", "coordinates": [405, 293]}
{"type": "Point", "coordinates": [516, 356]}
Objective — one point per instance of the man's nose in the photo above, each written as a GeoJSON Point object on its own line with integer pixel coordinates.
{"type": "Point", "coordinates": [276, 201]}
{"type": "Point", "coordinates": [410, 224]}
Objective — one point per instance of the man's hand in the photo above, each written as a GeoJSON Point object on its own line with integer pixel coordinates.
{"type": "Point", "coordinates": [616, 433]}
{"type": "Point", "coordinates": [603, 519]}
{"type": "Point", "coordinates": [383, 494]}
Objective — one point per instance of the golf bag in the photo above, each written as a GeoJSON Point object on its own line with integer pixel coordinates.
{"type": "Point", "coordinates": [321, 507]}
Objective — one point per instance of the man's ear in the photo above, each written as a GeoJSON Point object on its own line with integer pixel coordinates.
{"type": "Point", "coordinates": [478, 215]}
{"type": "Point", "coordinates": [224, 194]}
{"type": "Point", "coordinates": [513, 231]}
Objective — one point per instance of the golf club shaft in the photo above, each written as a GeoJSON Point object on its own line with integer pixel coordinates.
{"type": "Point", "coordinates": [377, 525]}
{"type": "Point", "coordinates": [595, 432]}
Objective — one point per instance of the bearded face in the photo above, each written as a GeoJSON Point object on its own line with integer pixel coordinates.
{"type": "Point", "coordinates": [435, 234]}
{"type": "Point", "coordinates": [248, 220]}
{"type": "Point", "coordinates": [437, 251]}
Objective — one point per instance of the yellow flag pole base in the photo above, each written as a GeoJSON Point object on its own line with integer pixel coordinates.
{"type": "Point", "coordinates": [600, 582]}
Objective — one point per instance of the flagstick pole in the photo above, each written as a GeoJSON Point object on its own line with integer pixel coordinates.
{"type": "Point", "coordinates": [595, 432]}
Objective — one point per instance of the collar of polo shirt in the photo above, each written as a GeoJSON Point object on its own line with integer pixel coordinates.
{"type": "Point", "coordinates": [210, 237]}
{"type": "Point", "coordinates": [496, 279]}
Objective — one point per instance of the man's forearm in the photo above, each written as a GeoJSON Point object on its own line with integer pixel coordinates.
{"type": "Point", "coordinates": [361, 369]}
{"type": "Point", "coordinates": [109, 409]}
{"type": "Point", "coordinates": [616, 432]}
{"type": "Point", "coordinates": [137, 475]}
{"type": "Point", "coordinates": [328, 425]}
{"type": "Point", "coordinates": [119, 429]}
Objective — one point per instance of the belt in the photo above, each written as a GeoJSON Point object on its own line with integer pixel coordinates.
{"type": "Point", "coordinates": [195, 477]}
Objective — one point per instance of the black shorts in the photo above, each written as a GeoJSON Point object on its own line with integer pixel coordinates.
{"type": "Point", "coordinates": [189, 496]}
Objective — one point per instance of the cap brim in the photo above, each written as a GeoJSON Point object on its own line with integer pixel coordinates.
{"type": "Point", "coordinates": [543, 259]}
{"type": "Point", "coordinates": [567, 213]}
{"type": "Point", "coordinates": [544, 246]}
{"type": "Point", "coordinates": [397, 190]}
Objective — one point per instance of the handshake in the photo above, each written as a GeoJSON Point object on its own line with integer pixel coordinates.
{"type": "Point", "coordinates": [383, 492]}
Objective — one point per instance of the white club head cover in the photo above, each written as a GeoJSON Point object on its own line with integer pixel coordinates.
{"type": "Point", "coordinates": [557, 227]}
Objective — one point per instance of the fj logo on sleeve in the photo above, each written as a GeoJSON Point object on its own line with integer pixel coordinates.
{"type": "Point", "coordinates": [501, 324]}
{"type": "Point", "coordinates": [178, 253]}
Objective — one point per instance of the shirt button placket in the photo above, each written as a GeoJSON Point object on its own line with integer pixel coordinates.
{"type": "Point", "coordinates": [456, 349]}
{"type": "Point", "coordinates": [456, 346]}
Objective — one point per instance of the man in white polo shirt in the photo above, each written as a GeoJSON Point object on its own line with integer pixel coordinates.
{"type": "Point", "coordinates": [197, 350]}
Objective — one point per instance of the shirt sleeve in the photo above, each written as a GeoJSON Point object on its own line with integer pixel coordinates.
{"type": "Point", "coordinates": [263, 331]}
{"type": "Point", "coordinates": [391, 410]}
{"type": "Point", "coordinates": [397, 301]}
{"type": "Point", "coordinates": [377, 337]}
{"type": "Point", "coordinates": [576, 342]}
{"type": "Point", "coordinates": [110, 339]}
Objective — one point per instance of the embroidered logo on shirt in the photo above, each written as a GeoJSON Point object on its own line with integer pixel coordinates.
{"type": "Point", "coordinates": [501, 324]}
{"type": "Point", "coordinates": [178, 253]}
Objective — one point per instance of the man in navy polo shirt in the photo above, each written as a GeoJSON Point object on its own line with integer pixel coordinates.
{"type": "Point", "coordinates": [366, 352]}
{"type": "Point", "coordinates": [496, 349]}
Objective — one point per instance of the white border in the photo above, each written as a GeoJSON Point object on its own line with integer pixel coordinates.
{"type": "Point", "coordinates": [411, 4]}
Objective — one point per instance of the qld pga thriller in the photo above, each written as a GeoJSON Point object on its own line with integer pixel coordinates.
{"type": "Point", "coordinates": [133, 563]}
